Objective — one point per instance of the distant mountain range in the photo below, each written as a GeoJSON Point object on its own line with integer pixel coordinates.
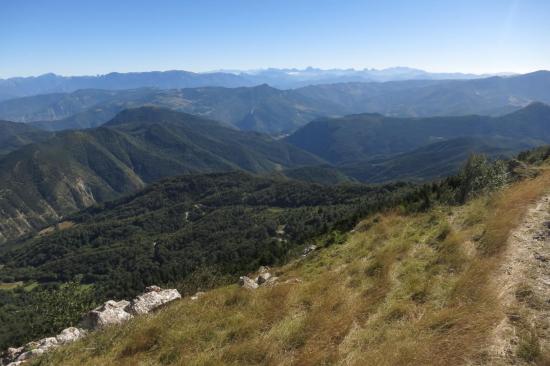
{"type": "Point", "coordinates": [280, 78]}
{"type": "Point", "coordinates": [267, 109]}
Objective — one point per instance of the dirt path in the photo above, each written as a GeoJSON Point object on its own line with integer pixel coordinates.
{"type": "Point", "coordinates": [523, 285]}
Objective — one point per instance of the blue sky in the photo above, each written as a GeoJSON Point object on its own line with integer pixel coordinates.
{"type": "Point", "coordinates": [75, 37]}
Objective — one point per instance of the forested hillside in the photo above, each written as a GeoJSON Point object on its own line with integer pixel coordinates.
{"type": "Point", "coordinates": [194, 232]}
{"type": "Point", "coordinates": [15, 135]}
{"type": "Point", "coordinates": [43, 182]}
{"type": "Point", "coordinates": [430, 250]}
{"type": "Point", "coordinates": [367, 136]}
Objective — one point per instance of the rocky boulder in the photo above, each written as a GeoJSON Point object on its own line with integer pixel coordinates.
{"type": "Point", "coordinates": [263, 278]}
{"type": "Point", "coordinates": [153, 298]}
{"type": "Point", "coordinates": [70, 334]}
{"type": "Point", "coordinates": [30, 354]}
{"type": "Point", "coordinates": [11, 355]}
{"type": "Point", "coordinates": [110, 313]}
{"type": "Point", "coordinates": [46, 344]}
{"type": "Point", "coordinates": [309, 249]}
{"type": "Point", "coordinates": [248, 283]}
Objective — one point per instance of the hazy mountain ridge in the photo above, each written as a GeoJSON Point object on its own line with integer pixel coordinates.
{"type": "Point", "coordinates": [267, 109]}
{"type": "Point", "coordinates": [282, 78]}
{"type": "Point", "coordinates": [261, 108]}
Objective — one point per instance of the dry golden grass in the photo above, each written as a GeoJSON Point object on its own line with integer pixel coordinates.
{"type": "Point", "coordinates": [402, 290]}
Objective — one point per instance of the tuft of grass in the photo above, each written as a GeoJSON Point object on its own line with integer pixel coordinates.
{"type": "Point", "coordinates": [529, 348]}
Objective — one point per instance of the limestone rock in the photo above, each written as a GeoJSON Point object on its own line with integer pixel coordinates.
{"type": "Point", "coordinates": [309, 249]}
{"type": "Point", "coordinates": [31, 345]}
{"type": "Point", "coordinates": [248, 283]}
{"type": "Point", "coordinates": [70, 334]}
{"type": "Point", "coordinates": [13, 352]}
{"type": "Point", "coordinates": [152, 299]}
{"type": "Point", "coordinates": [47, 343]}
{"type": "Point", "coordinates": [263, 269]}
{"type": "Point", "coordinates": [110, 313]}
{"type": "Point", "coordinates": [11, 355]}
{"type": "Point", "coordinates": [30, 354]}
{"type": "Point", "coordinates": [263, 277]}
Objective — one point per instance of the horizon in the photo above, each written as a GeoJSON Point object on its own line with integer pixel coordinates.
{"type": "Point", "coordinates": [251, 71]}
{"type": "Point", "coordinates": [74, 38]}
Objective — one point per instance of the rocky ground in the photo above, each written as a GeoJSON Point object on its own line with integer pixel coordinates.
{"type": "Point", "coordinates": [523, 284]}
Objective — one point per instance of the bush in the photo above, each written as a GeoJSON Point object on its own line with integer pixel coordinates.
{"type": "Point", "coordinates": [479, 176]}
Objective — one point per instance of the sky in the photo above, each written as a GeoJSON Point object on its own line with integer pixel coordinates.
{"type": "Point", "coordinates": [80, 37]}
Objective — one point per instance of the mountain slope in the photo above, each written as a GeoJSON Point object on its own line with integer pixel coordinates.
{"type": "Point", "coordinates": [15, 135]}
{"type": "Point", "coordinates": [43, 182]}
{"type": "Point", "coordinates": [401, 289]}
{"type": "Point", "coordinates": [225, 221]}
{"type": "Point", "coordinates": [366, 136]}
{"type": "Point", "coordinates": [433, 161]}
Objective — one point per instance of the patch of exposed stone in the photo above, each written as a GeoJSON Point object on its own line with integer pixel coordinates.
{"type": "Point", "coordinates": [262, 278]}
{"type": "Point", "coordinates": [17, 356]}
{"type": "Point", "coordinates": [309, 249]}
{"type": "Point", "coordinates": [109, 314]}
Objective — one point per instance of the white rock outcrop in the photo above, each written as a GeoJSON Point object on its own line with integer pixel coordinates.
{"type": "Point", "coordinates": [70, 334]}
{"type": "Point", "coordinates": [309, 249]}
{"type": "Point", "coordinates": [30, 354]}
{"type": "Point", "coordinates": [110, 313]}
{"type": "Point", "coordinates": [263, 278]}
{"type": "Point", "coordinates": [248, 283]}
{"type": "Point", "coordinates": [153, 298]}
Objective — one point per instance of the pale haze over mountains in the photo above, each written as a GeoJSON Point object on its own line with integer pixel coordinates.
{"type": "Point", "coordinates": [279, 78]}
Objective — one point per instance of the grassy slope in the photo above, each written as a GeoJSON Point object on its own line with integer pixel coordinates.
{"type": "Point", "coordinates": [401, 290]}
